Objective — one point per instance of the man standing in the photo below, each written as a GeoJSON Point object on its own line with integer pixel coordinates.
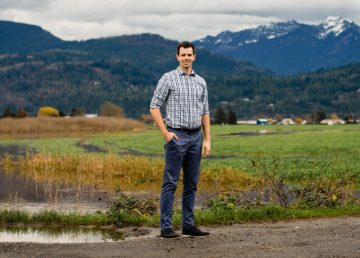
{"type": "Point", "coordinates": [187, 112]}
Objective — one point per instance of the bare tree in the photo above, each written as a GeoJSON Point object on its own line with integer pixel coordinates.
{"type": "Point", "coordinates": [110, 109]}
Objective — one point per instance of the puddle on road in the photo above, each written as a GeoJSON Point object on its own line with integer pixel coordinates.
{"type": "Point", "coordinates": [83, 235]}
{"type": "Point", "coordinates": [17, 235]}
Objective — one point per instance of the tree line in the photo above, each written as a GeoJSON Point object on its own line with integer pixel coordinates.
{"type": "Point", "coordinates": [66, 80]}
{"type": "Point", "coordinates": [107, 108]}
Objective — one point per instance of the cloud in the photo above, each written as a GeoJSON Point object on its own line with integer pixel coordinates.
{"type": "Point", "coordinates": [192, 26]}
{"type": "Point", "coordinates": [185, 19]}
{"type": "Point", "coordinates": [23, 4]}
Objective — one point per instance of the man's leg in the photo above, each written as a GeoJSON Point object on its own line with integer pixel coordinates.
{"type": "Point", "coordinates": [174, 152]}
{"type": "Point", "coordinates": [191, 170]}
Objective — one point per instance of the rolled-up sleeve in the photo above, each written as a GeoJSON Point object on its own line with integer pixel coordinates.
{"type": "Point", "coordinates": [160, 93]}
{"type": "Point", "coordinates": [206, 110]}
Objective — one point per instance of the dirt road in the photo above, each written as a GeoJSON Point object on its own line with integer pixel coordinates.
{"type": "Point", "coordinates": [335, 237]}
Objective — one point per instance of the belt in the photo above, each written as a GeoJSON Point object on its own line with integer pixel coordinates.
{"type": "Point", "coordinates": [188, 130]}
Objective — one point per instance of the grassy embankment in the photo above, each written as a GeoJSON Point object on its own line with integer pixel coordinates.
{"type": "Point", "coordinates": [321, 161]}
{"type": "Point", "coordinates": [203, 217]}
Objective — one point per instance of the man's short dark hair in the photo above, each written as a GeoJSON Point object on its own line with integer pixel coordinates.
{"type": "Point", "coordinates": [185, 44]}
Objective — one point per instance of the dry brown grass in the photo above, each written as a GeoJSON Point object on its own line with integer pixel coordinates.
{"type": "Point", "coordinates": [129, 173]}
{"type": "Point", "coordinates": [42, 125]}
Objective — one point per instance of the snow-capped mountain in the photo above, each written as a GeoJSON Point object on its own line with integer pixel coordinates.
{"type": "Point", "coordinates": [271, 31]}
{"type": "Point", "coordinates": [334, 26]}
{"type": "Point", "coordinates": [291, 47]}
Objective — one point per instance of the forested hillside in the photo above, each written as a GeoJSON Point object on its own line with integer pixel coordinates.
{"type": "Point", "coordinates": [124, 70]}
{"type": "Point", "coordinates": [329, 91]}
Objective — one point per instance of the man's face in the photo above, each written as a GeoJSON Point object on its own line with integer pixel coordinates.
{"type": "Point", "coordinates": [186, 57]}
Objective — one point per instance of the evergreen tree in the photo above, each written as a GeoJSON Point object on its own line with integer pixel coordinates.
{"type": "Point", "coordinates": [232, 120]}
{"type": "Point", "coordinates": [8, 113]}
{"type": "Point", "coordinates": [76, 112]}
{"type": "Point", "coordinates": [318, 116]}
{"type": "Point", "coordinates": [220, 116]}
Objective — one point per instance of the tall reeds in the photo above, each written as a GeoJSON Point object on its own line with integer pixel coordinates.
{"type": "Point", "coordinates": [127, 172]}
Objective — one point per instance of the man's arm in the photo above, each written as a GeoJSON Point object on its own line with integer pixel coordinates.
{"type": "Point", "coordinates": [157, 117]}
{"type": "Point", "coordinates": [160, 94]}
{"type": "Point", "coordinates": [205, 123]}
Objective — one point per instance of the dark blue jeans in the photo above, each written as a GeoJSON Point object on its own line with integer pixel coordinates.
{"type": "Point", "coordinates": [184, 153]}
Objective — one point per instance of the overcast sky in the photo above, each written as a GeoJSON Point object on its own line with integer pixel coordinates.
{"type": "Point", "coordinates": [173, 19]}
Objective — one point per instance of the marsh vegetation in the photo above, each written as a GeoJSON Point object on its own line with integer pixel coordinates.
{"type": "Point", "coordinates": [312, 171]}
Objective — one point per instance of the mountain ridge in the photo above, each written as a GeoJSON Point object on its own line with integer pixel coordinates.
{"type": "Point", "coordinates": [291, 47]}
{"type": "Point", "coordinates": [23, 38]}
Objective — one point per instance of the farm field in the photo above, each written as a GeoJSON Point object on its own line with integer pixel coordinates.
{"type": "Point", "coordinates": [240, 159]}
{"type": "Point", "coordinates": [306, 150]}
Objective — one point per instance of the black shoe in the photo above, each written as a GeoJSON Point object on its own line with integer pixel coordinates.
{"type": "Point", "coordinates": [168, 233]}
{"type": "Point", "coordinates": [194, 231]}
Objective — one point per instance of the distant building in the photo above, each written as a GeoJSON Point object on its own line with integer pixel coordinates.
{"type": "Point", "coordinates": [287, 121]}
{"type": "Point", "coordinates": [246, 122]}
{"type": "Point", "coordinates": [91, 115]}
{"type": "Point", "coordinates": [332, 122]}
{"type": "Point", "coordinates": [262, 121]}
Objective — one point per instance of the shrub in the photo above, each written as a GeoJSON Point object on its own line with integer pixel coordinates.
{"type": "Point", "coordinates": [21, 114]}
{"type": "Point", "coordinates": [127, 210]}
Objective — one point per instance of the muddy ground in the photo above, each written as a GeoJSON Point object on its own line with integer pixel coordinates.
{"type": "Point", "coordinates": [327, 237]}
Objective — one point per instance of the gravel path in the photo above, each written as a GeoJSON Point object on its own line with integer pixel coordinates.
{"type": "Point", "coordinates": [326, 237]}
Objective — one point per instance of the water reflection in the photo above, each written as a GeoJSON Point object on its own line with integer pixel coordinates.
{"type": "Point", "coordinates": [17, 190]}
{"type": "Point", "coordinates": [86, 183]}
{"type": "Point", "coordinates": [35, 191]}
{"type": "Point", "coordinates": [41, 235]}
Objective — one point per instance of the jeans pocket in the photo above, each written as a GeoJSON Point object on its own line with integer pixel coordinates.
{"type": "Point", "coordinates": [167, 143]}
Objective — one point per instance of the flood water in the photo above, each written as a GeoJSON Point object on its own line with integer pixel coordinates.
{"type": "Point", "coordinates": [21, 192]}
{"type": "Point", "coordinates": [79, 235]}
{"type": "Point", "coordinates": [17, 235]}
{"type": "Point", "coordinates": [24, 193]}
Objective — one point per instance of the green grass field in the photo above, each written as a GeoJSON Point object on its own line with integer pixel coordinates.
{"type": "Point", "coordinates": [300, 151]}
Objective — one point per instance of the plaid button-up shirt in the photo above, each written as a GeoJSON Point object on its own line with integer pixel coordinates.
{"type": "Point", "coordinates": [186, 98]}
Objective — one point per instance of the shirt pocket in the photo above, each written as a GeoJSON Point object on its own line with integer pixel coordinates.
{"type": "Point", "coordinates": [199, 92]}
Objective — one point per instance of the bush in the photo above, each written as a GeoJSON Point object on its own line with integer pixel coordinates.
{"type": "Point", "coordinates": [127, 210]}
{"type": "Point", "coordinates": [21, 114]}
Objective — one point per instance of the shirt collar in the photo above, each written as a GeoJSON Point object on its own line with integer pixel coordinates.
{"type": "Point", "coordinates": [181, 72]}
